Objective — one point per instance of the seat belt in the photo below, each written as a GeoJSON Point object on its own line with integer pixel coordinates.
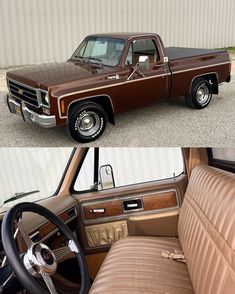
{"type": "Point", "coordinates": [175, 255]}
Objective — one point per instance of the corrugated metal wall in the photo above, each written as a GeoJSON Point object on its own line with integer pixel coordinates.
{"type": "Point", "coordinates": [36, 31]}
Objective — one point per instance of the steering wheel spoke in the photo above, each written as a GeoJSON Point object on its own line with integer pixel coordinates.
{"type": "Point", "coordinates": [24, 235]}
{"type": "Point", "coordinates": [62, 252]}
{"type": "Point", "coordinates": [48, 281]}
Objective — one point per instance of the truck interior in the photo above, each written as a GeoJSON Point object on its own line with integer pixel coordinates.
{"type": "Point", "coordinates": [117, 220]}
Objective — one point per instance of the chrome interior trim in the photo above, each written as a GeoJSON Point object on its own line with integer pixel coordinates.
{"type": "Point", "coordinates": [133, 210]}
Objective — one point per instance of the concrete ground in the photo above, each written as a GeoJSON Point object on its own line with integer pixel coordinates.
{"type": "Point", "coordinates": [170, 123]}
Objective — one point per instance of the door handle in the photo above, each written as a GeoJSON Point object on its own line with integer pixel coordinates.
{"type": "Point", "coordinates": [158, 66]}
{"type": "Point", "coordinates": [115, 77]}
{"type": "Point", "coordinates": [134, 204]}
{"type": "Point", "coordinates": [97, 210]}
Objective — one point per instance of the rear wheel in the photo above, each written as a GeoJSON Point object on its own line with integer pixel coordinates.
{"type": "Point", "coordinates": [200, 95]}
{"type": "Point", "coordinates": [87, 122]}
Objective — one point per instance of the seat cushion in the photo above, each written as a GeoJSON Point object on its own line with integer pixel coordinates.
{"type": "Point", "coordinates": [135, 265]}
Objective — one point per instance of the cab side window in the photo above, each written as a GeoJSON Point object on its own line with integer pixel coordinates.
{"type": "Point", "coordinates": [124, 167]}
{"type": "Point", "coordinates": [142, 47]}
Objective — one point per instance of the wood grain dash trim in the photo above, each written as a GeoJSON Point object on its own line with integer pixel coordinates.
{"type": "Point", "coordinates": [49, 227]}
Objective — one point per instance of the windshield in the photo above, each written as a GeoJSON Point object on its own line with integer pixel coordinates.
{"type": "Point", "coordinates": [100, 50]}
{"type": "Point", "coordinates": [24, 170]}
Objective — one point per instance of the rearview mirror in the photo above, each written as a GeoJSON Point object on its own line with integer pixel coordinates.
{"type": "Point", "coordinates": [144, 62]}
{"type": "Point", "coordinates": [106, 177]}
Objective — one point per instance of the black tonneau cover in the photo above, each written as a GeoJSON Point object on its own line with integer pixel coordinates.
{"type": "Point", "coordinates": [181, 52]}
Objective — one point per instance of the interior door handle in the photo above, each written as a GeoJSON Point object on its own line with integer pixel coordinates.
{"type": "Point", "coordinates": [132, 204]}
{"type": "Point", "coordinates": [97, 210]}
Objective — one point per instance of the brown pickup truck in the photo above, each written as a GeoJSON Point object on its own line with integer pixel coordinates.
{"type": "Point", "coordinates": [113, 73]}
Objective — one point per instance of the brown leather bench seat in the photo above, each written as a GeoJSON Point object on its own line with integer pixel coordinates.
{"type": "Point", "coordinates": [206, 235]}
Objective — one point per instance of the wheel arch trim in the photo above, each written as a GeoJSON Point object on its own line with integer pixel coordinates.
{"type": "Point", "coordinates": [84, 99]}
{"type": "Point", "coordinates": [201, 76]}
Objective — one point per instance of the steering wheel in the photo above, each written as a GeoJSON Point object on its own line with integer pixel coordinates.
{"type": "Point", "coordinates": [39, 261]}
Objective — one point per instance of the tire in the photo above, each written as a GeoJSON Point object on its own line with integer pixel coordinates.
{"type": "Point", "coordinates": [87, 122]}
{"type": "Point", "coordinates": [200, 95]}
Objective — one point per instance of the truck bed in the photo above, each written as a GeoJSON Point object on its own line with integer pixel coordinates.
{"type": "Point", "coordinates": [183, 52]}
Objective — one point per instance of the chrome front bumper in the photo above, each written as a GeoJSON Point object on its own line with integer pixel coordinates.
{"type": "Point", "coordinates": [28, 115]}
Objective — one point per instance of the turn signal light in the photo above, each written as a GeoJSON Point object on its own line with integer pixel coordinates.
{"type": "Point", "coordinates": [62, 107]}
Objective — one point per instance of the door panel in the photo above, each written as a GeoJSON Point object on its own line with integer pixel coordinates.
{"type": "Point", "coordinates": [147, 84]}
{"type": "Point", "coordinates": [143, 209]}
{"type": "Point", "coordinates": [106, 234]}
{"type": "Point", "coordinates": [142, 91]}
{"type": "Point", "coordinates": [158, 224]}
{"type": "Point", "coordinates": [109, 209]}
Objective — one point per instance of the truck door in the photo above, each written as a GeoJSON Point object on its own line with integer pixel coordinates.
{"type": "Point", "coordinates": [148, 76]}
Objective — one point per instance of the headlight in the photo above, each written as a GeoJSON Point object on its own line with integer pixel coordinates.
{"type": "Point", "coordinates": [45, 98]}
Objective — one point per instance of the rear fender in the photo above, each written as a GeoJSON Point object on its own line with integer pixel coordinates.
{"type": "Point", "coordinates": [212, 77]}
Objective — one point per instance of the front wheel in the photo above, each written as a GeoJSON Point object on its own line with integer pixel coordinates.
{"type": "Point", "coordinates": [200, 94]}
{"type": "Point", "coordinates": [87, 122]}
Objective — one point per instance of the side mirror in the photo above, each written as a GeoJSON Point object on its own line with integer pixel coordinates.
{"type": "Point", "coordinates": [106, 177]}
{"type": "Point", "coordinates": [144, 62]}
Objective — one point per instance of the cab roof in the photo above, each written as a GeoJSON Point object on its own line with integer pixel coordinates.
{"type": "Point", "coordinates": [125, 36]}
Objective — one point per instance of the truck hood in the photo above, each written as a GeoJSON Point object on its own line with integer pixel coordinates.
{"type": "Point", "coordinates": [44, 76]}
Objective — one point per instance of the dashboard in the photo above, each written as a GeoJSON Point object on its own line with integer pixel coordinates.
{"type": "Point", "coordinates": [48, 230]}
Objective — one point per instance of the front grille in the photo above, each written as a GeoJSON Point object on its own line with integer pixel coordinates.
{"type": "Point", "coordinates": [23, 92]}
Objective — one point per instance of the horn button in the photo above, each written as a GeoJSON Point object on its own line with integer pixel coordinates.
{"type": "Point", "coordinates": [47, 256]}
{"type": "Point", "coordinates": [40, 258]}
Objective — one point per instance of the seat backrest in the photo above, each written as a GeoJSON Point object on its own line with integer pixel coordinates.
{"type": "Point", "coordinates": [207, 230]}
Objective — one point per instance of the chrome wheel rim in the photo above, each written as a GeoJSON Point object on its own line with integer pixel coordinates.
{"type": "Point", "coordinates": [88, 123]}
{"type": "Point", "coordinates": [203, 94]}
